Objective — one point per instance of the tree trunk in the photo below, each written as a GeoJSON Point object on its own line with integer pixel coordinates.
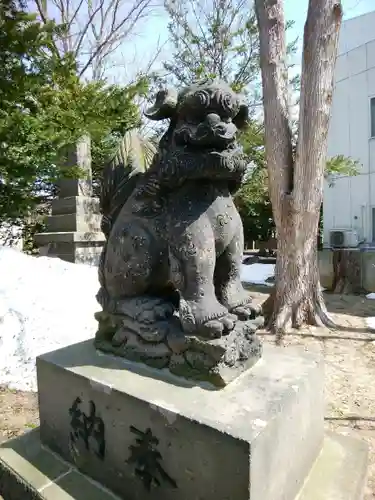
{"type": "Point", "coordinates": [297, 298]}
{"type": "Point", "coordinates": [296, 179]}
{"type": "Point", "coordinates": [346, 271]}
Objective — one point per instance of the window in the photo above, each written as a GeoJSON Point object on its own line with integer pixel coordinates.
{"type": "Point", "coordinates": [372, 114]}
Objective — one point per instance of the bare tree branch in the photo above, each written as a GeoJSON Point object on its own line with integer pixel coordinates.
{"type": "Point", "coordinates": [42, 11]}
{"type": "Point", "coordinates": [96, 28]}
{"type": "Point", "coordinates": [73, 17]}
{"type": "Point", "coordinates": [82, 35]}
{"type": "Point", "coordinates": [138, 9]}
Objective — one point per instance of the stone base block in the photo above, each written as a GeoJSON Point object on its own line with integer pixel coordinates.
{"type": "Point", "coordinates": [89, 223]}
{"type": "Point", "coordinates": [146, 434]}
{"type": "Point", "coordinates": [77, 254]}
{"type": "Point", "coordinates": [80, 205]}
{"type": "Point", "coordinates": [42, 239]}
{"type": "Point", "coordinates": [82, 248]}
{"type": "Point", "coordinates": [29, 471]}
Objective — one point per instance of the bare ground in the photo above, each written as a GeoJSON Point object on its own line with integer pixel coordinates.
{"type": "Point", "coordinates": [349, 371]}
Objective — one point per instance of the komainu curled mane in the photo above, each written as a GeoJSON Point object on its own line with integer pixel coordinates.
{"type": "Point", "coordinates": [174, 236]}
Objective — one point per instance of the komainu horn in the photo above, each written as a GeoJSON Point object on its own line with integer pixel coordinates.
{"type": "Point", "coordinates": [170, 270]}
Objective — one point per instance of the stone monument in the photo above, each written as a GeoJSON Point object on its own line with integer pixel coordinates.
{"type": "Point", "coordinates": [170, 270]}
{"type": "Point", "coordinates": [177, 400]}
{"type": "Point", "coordinates": [73, 229]}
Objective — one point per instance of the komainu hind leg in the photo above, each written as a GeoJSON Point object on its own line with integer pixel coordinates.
{"type": "Point", "coordinates": [131, 257]}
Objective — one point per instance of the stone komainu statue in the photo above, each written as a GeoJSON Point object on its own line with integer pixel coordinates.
{"type": "Point", "coordinates": [170, 269]}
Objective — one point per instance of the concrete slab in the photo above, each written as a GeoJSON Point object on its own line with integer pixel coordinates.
{"type": "Point", "coordinates": [125, 425]}
{"type": "Point", "coordinates": [28, 471]}
{"type": "Point", "coordinates": [340, 472]}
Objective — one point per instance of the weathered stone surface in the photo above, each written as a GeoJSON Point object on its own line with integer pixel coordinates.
{"type": "Point", "coordinates": [163, 344]}
{"type": "Point", "coordinates": [84, 248]}
{"type": "Point", "coordinates": [79, 205]}
{"type": "Point", "coordinates": [256, 439]}
{"type": "Point", "coordinates": [78, 155]}
{"type": "Point", "coordinates": [70, 237]}
{"type": "Point", "coordinates": [339, 473]}
{"type": "Point", "coordinates": [88, 222]}
{"type": "Point", "coordinates": [73, 230]}
{"type": "Point", "coordinates": [29, 471]}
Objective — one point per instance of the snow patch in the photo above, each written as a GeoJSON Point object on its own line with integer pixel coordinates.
{"type": "Point", "coordinates": [257, 273]}
{"type": "Point", "coordinates": [371, 323]}
{"type": "Point", "coordinates": [370, 296]}
{"type": "Point", "coordinates": [45, 304]}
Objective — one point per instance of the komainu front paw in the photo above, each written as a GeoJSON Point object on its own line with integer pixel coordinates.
{"type": "Point", "coordinates": [216, 328]}
{"type": "Point", "coordinates": [207, 319]}
{"type": "Point", "coordinates": [246, 311]}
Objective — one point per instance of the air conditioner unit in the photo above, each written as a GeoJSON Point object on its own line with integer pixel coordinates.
{"type": "Point", "coordinates": [343, 238]}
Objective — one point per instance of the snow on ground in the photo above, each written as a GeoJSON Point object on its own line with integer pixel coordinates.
{"type": "Point", "coordinates": [371, 321]}
{"type": "Point", "coordinates": [257, 273]}
{"type": "Point", "coordinates": [45, 304]}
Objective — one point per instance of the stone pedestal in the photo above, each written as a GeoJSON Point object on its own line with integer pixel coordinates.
{"type": "Point", "coordinates": [140, 433]}
{"type": "Point", "coordinates": [255, 439]}
{"type": "Point", "coordinates": [73, 230]}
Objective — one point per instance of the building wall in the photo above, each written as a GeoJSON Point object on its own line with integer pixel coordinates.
{"type": "Point", "coordinates": [348, 204]}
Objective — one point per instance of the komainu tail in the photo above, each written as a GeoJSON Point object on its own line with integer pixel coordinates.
{"type": "Point", "coordinates": [120, 176]}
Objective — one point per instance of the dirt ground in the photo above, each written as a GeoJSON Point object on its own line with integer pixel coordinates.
{"type": "Point", "coordinates": [349, 370]}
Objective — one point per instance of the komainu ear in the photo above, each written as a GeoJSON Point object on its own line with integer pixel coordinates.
{"type": "Point", "coordinates": [241, 120]}
{"type": "Point", "coordinates": [165, 105]}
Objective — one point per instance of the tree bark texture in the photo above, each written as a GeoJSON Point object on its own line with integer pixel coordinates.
{"type": "Point", "coordinates": [347, 271]}
{"type": "Point", "coordinates": [296, 178]}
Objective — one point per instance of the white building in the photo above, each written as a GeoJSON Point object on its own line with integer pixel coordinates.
{"type": "Point", "coordinates": [350, 203]}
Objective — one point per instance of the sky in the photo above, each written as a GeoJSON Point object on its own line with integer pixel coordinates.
{"type": "Point", "coordinates": [295, 10]}
{"type": "Point", "coordinates": [135, 54]}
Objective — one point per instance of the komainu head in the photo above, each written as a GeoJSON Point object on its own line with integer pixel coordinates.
{"type": "Point", "coordinates": [204, 116]}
